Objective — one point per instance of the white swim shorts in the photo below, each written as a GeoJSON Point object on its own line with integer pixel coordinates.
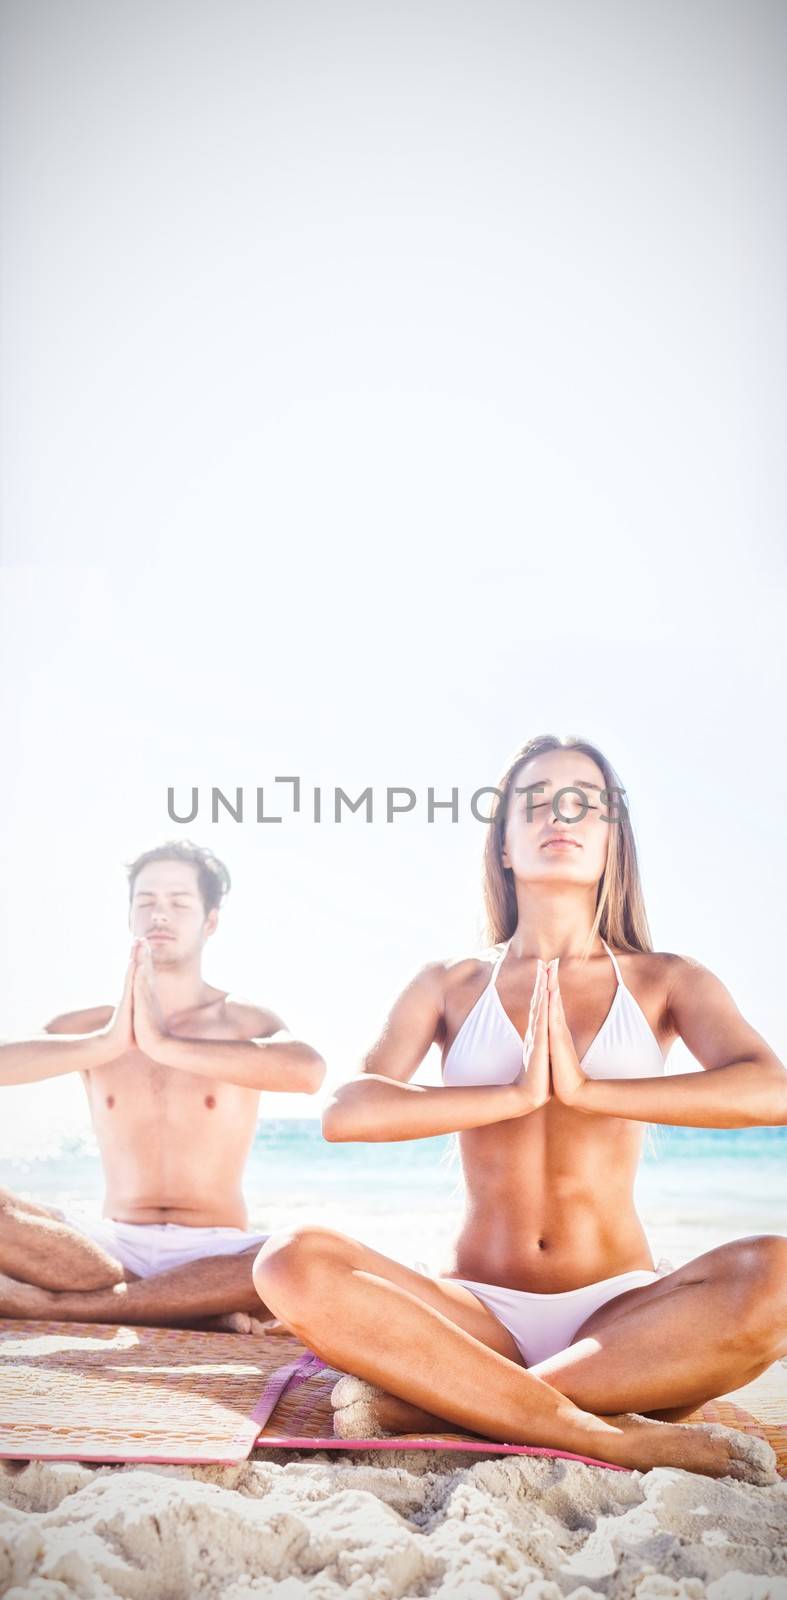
{"type": "Point", "coordinates": [145, 1248]}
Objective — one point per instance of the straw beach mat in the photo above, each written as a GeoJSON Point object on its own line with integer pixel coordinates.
{"type": "Point", "coordinates": [88, 1392]}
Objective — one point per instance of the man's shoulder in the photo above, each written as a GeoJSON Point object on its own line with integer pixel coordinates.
{"type": "Point", "coordinates": [253, 1021]}
{"type": "Point", "coordinates": [88, 1020]}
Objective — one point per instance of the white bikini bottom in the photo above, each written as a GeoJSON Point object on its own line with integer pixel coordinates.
{"type": "Point", "coordinates": [541, 1324]}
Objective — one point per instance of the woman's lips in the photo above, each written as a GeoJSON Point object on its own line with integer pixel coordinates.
{"type": "Point", "coordinates": [560, 844]}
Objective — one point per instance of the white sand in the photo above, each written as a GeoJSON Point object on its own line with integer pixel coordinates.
{"type": "Point", "coordinates": [391, 1525]}
{"type": "Point", "coordinates": [380, 1527]}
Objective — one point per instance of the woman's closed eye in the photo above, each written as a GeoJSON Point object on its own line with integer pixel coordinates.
{"type": "Point", "coordinates": [540, 805]}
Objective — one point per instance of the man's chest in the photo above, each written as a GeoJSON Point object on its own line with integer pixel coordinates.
{"type": "Point", "coordinates": [133, 1089]}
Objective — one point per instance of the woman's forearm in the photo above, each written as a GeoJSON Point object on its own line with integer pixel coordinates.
{"type": "Point", "coordinates": [374, 1108]}
{"type": "Point", "coordinates": [743, 1094]}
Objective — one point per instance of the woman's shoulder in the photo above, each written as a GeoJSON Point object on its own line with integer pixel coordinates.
{"type": "Point", "coordinates": [632, 953]}
{"type": "Point", "coordinates": [438, 982]}
{"type": "Point", "coordinates": [462, 970]}
{"type": "Point", "coordinates": [650, 974]}
{"type": "Point", "coordinates": [656, 962]}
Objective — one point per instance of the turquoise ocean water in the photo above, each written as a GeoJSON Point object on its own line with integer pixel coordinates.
{"type": "Point", "coordinates": [695, 1187]}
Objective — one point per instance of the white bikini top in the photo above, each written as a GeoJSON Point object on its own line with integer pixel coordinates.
{"type": "Point", "coordinates": [488, 1048]}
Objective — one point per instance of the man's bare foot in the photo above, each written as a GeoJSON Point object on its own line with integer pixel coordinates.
{"type": "Point", "coordinates": [362, 1411]}
{"type": "Point", "coordinates": [234, 1322]}
{"type": "Point", "coordinates": [25, 1301]}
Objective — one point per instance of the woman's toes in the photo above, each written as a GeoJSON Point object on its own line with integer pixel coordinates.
{"type": "Point", "coordinates": [750, 1458]}
{"type": "Point", "coordinates": [350, 1388]}
{"type": "Point", "coordinates": [357, 1409]}
{"type": "Point", "coordinates": [358, 1420]}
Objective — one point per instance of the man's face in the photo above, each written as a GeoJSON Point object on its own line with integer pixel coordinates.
{"type": "Point", "coordinates": [577, 817]}
{"type": "Point", "coordinates": [167, 910]}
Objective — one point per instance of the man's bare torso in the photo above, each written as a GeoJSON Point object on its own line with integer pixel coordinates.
{"type": "Point", "coordinates": [173, 1144]}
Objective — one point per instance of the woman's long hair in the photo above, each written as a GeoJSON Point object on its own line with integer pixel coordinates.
{"type": "Point", "coordinates": [620, 908]}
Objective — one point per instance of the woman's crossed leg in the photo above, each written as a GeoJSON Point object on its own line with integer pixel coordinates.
{"type": "Point", "coordinates": [430, 1343]}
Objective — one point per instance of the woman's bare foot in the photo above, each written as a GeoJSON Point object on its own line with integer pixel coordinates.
{"type": "Point", "coordinates": [362, 1411]}
{"type": "Point", "coordinates": [704, 1447]}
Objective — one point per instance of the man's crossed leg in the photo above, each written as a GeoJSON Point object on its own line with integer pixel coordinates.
{"type": "Point", "coordinates": [50, 1270]}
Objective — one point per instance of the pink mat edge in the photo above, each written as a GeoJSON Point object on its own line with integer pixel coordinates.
{"type": "Point", "coordinates": [410, 1442]}
{"type": "Point", "coordinates": [89, 1460]}
{"type": "Point", "coordinates": [298, 1443]}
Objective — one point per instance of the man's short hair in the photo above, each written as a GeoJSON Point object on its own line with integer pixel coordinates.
{"type": "Point", "coordinates": [212, 875]}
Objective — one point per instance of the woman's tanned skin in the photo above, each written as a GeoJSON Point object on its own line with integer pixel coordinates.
{"type": "Point", "coordinates": [549, 1164]}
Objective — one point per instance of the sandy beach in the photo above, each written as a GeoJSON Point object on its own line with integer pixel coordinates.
{"type": "Point", "coordinates": [368, 1527]}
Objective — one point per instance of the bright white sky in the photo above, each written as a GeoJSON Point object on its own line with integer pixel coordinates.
{"type": "Point", "coordinates": [382, 386]}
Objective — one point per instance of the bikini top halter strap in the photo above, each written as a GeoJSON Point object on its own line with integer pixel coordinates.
{"type": "Point", "coordinates": [504, 952]}
{"type": "Point", "coordinates": [498, 964]}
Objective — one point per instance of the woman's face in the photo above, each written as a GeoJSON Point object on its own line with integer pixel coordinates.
{"type": "Point", "coordinates": [580, 818]}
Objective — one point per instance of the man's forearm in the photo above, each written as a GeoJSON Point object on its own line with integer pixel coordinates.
{"type": "Point", "coordinates": [30, 1060]}
{"type": "Point", "coordinates": [745, 1094]}
{"type": "Point", "coordinates": [288, 1065]}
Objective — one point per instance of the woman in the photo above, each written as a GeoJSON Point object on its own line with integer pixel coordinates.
{"type": "Point", "coordinates": [550, 1324]}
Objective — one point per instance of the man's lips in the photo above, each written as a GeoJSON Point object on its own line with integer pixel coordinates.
{"type": "Point", "coordinates": [151, 936]}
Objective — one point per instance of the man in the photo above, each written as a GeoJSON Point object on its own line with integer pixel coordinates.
{"type": "Point", "coordinates": [173, 1075]}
